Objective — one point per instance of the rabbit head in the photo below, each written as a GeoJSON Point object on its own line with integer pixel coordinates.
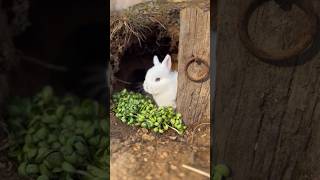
{"type": "Point", "coordinates": [158, 77]}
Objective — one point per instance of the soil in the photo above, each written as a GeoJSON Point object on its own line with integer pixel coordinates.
{"type": "Point", "coordinates": [137, 153]}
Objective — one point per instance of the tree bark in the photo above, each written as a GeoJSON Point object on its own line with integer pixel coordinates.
{"type": "Point", "coordinates": [193, 99]}
{"type": "Point", "coordinates": [267, 117]}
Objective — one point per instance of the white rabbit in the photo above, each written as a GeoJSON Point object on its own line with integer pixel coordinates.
{"type": "Point", "coordinates": [161, 82]}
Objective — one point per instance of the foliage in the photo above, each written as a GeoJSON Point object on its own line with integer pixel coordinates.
{"type": "Point", "coordinates": [138, 110]}
{"type": "Point", "coordinates": [59, 138]}
{"type": "Point", "coordinates": [220, 171]}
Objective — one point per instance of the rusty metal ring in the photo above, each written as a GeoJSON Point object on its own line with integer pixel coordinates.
{"type": "Point", "coordinates": [298, 50]}
{"type": "Point", "coordinates": [197, 60]}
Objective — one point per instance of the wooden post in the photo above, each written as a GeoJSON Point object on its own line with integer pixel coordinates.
{"type": "Point", "coordinates": [193, 99]}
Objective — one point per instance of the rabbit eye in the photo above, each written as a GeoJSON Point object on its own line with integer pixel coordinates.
{"type": "Point", "coordinates": [157, 79]}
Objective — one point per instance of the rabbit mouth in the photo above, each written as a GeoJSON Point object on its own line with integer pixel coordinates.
{"type": "Point", "coordinates": [150, 91]}
{"type": "Point", "coordinates": [155, 94]}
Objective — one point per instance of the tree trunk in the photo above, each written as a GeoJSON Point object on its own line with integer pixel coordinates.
{"type": "Point", "coordinates": [193, 98]}
{"type": "Point", "coordinates": [267, 116]}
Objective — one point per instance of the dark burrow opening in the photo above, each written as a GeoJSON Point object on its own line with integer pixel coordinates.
{"type": "Point", "coordinates": [138, 58]}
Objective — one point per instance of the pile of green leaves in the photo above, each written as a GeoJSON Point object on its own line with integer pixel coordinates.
{"type": "Point", "coordinates": [59, 138]}
{"type": "Point", "coordinates": [138, 110]}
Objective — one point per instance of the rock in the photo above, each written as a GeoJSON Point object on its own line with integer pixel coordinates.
{"type": "Point", "coordinates": [157, 177]}
{"type": "Point", "coordinates": [144, 130]}
{"type": "Point", "coordinates": [150, 148]}
{"type": "Point", "coordinates": [164, 155]}
{"type": "Point", "coordinates": [137, 147]}
{"type": "Point", "coordinates": [149, 177]}
{"type": "Point", "coordinates": [147, 137]}
{"type": "Point", "coordinates": [115, 146]}
{"type": "Point", "coordinates": [173, 137]}
{"type": "Point", "coordinates": [132, 160]}
{"type": "Point", "coordinates": [164, 142]}
{"type": "Point", "coordinates": [145, 159]}
{"type": "Point", "coordinates": [173, 167]}
{"type": "Point", "coordinates": [127, 143]}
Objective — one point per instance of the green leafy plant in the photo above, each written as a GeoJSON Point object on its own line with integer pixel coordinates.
{"type": "Point", "coordinates": [59, 138]}
{"type": "Point", "coordinates": [138, 110]}
{"type": "Point", "coordinates": [220, 172]}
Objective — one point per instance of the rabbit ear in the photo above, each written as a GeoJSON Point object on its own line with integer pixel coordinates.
{"type": "Point", "coordinates": [156, 60]}
{"type": "Point", "coordinates": [167, 61]}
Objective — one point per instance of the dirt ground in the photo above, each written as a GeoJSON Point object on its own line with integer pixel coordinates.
{"type": "Point", "coordinates": [138, 154]}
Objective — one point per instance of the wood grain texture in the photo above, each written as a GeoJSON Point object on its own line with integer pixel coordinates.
{"type": "Point", "coordinates": [267, 117]}
{"type": "Point", "coordinates": [193, 99]}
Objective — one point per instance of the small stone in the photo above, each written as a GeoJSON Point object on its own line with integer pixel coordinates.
{"type": "Point", "coordinates": [126, 143]}
{"type": "Point", "coordinates": [173, 137]}
{"type": "Point", "coordinates": [173, 167]}
{"type": "Point", "coordinates": [145, 159]}
{"type": "Point", "coordinates": [157, 176]}
{"type": "Point", "coordinates": [164, 155]}
{"type": "Point", "coordinates": [144, 130]}
{"type": "Point", "coordinates": [195, 149]}
{"type": "Point", "coordinates": [115, 147]}
{"type": "Point", "coordinates": [150, 148]}
{"type": "Point", "coordinates": [204, 135]}
{"type": "Point", "coordinates": [148, 177]}
{"type": "Point", "coordinates": [136, 147]}
{"type": "Point", "coordinates": [132, 160]}
{"type": "Point", "coordinates": [181, 174]}
{"type": "Point", "coordinates": [147, 137]}
{"type": "Point", "coordinates": [164, 142]}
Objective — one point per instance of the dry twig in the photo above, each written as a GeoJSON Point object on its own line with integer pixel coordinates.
{"type": "Point", "coordinates": [196, 170]}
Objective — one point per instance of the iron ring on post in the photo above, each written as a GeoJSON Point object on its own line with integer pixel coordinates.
{"type": "Point", "coordinates": [197, 60]}
{"type": "Point", "coordinates": [298, 50]}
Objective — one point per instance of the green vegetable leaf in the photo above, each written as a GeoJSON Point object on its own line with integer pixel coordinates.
{"type": "Point", "coordinates": [22, 169]}
{"type": "Point", "coordinates": [32, 169]}
{"type": "Point", "coordinates": [68, 167]}
{"type": "Point", "coordinates": [43, 177]}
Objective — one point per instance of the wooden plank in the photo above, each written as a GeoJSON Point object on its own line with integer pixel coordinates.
{"type": "Point", "coordinates": [193, 99]}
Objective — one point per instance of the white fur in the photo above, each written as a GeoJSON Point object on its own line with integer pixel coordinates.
{"type": "Point", "coordinates": [164, 92]}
